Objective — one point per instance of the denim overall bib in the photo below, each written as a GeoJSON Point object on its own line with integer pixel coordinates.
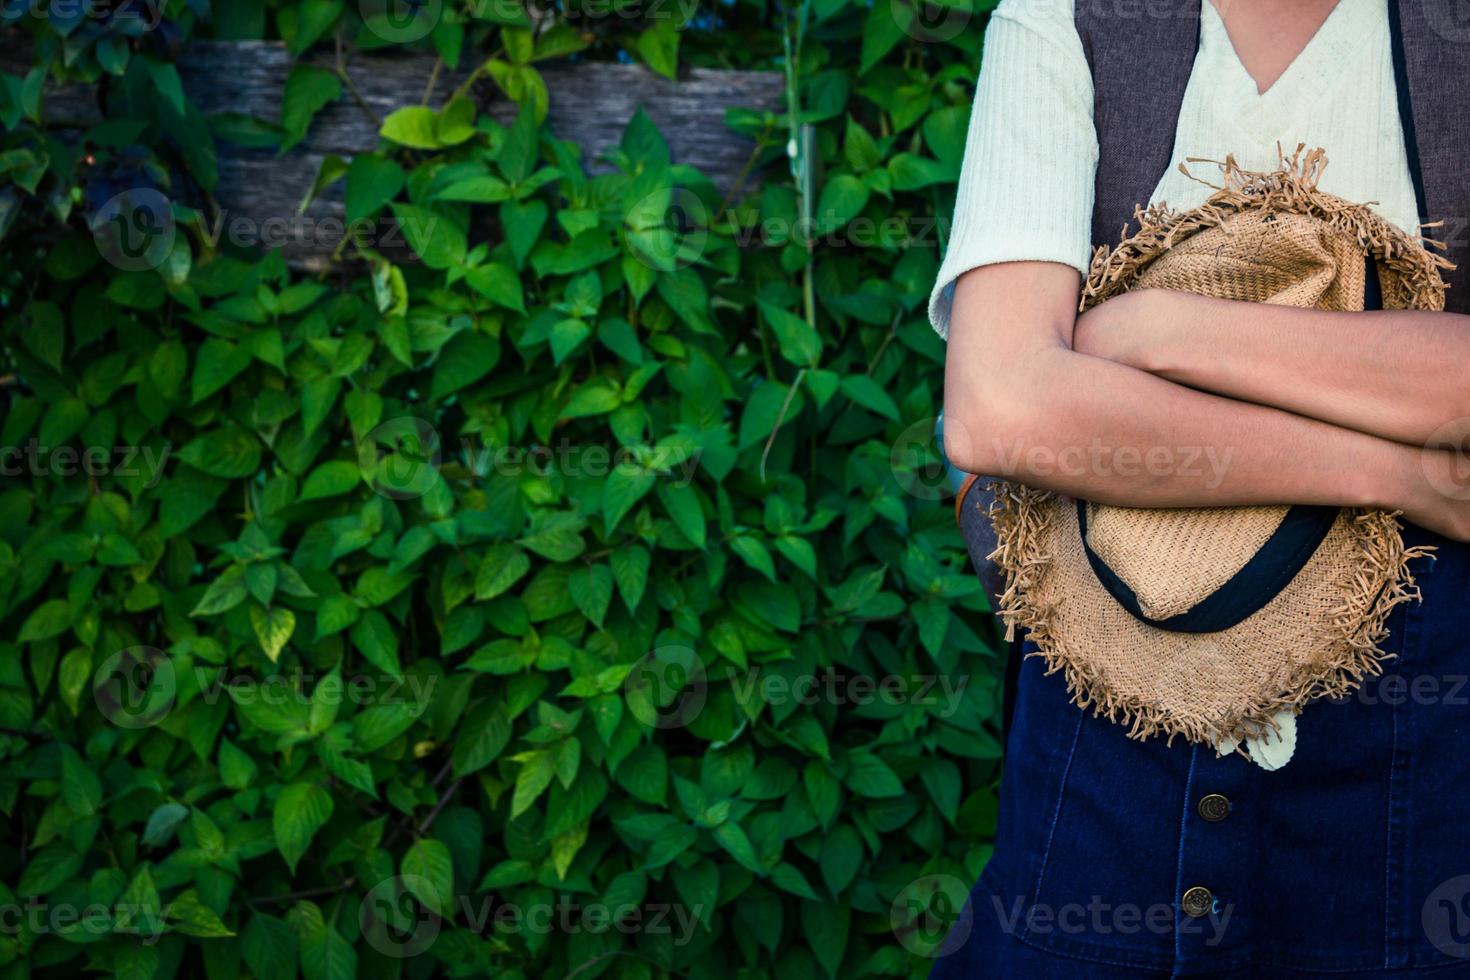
{"type": "Point", "coordinates": [1124, 859]}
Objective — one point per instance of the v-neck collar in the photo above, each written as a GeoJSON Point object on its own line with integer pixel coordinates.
{"type": "Point", "coordinates": [1312, 75]}
{"type": "Point", "coordinates": [1315, 59]}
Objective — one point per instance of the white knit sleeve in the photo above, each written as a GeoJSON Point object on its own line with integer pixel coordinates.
{"type": "Point", "coordinates": [1025, 190]}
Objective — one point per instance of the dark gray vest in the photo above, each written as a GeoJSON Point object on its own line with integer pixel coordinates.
{"type": "Point", "coordinates": [1142, 51]}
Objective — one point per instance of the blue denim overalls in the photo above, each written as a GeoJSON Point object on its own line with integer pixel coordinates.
{"type": "Point", "coordinates": [1117, 858]}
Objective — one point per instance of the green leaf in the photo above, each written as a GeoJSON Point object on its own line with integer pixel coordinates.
{"type": "Point", "coordinates": [841, 858]}
{"type": "Point", "coordinates": [754, 554]}
{"type": "Point", "coordinates": [47, 869]}
{"type": "Point", "coordinates": [325, 953]}
{"type": "Point", "coordinates": [269, 946]}
{"type": "Point", "coordinates": [330, 480]}
{"type": "Point", "coordinates": [769, 404]}
{"type": "Point", "coordinates": [659, 47]}
{"type": "Point", "coordinates": [624, 487]}
{"type": "Point", "coordinates": [376, 639]}
{"type": "Point", "coordinates": [868, 775]}
{"type": "Point", "coordinates": [482, 737]}
{"type": "Point", "coordinates": [428, 873]}
{"type": "Point", "coordinates": [499, 284]}
{"type": "Point", "coordinates": [224, 593]}
{"type": "Point", "coordinates": [537, 770]}
{"type": "Point", "coordinates": [630, 572]}
{"type": "Point", "coordinates": [188, 915]}
{"type": "Point", "coordinates": [466, 359]}
{"type": "Point", "coordinates": [300, 811]}
{"type": "Point", "coordinates": [218, 363]}
{"type": "Point", "coordinates": [843, 198]}
{"type": "Point", "coordinates": [228, 452]}
{"type": "Point", "coordinates": [273, 627]}
{"type": "Point", "coordinates": [591, 587]}
{"type": "Point", "coordinates": [799, 342]}
{"type": "Point", "coordinates": [869, 394]}
{"type": "Point", "coordinates": [503, 565]}
{"type": "Point", "coordinates": [163, 822]}
{"type": "Point", "coordinates": [236, 769]}
{"type": "Point", "coordinates": [51, 618]}
{"type": "Point", "coordinates": [413, 126]}
{"type": "Point", "coordinates": [881, 32]}
{"type": "Point", "coordinates": [825, 925]}
{"type": "Point", "coordinates": [372, 182]}
{"type": "Point", "coordinates": [434, 236]}
{"type": "Point", "coordinates": [308, 89]}
{"type": "Point", "coordinates": [81, 790]}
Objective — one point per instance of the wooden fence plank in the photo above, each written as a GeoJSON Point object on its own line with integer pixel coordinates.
{"type": "Point", "coordinates": [590, 104]}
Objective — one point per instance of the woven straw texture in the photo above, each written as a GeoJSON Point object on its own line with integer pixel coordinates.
{"type": "Point", "coordinates": [1270, 238]}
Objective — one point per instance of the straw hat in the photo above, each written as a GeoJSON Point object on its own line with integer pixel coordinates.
{"type": "Point", "coordinates": [1208, 622]}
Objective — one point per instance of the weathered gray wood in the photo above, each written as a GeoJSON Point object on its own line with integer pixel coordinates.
{"type": "Point", "coordinates": [590, 104]}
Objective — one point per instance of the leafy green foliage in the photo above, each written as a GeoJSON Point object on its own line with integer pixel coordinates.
{"type": "Point", "coordinates": [518, 603]}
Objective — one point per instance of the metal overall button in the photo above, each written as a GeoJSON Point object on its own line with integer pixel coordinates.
{"type": "Point", "coordinates": [1214, 807]}
{"type": "Point", "coordinates": [1197, 901]}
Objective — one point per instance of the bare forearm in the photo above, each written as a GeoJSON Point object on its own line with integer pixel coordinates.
{"type": "Point", "coordinates": [1401, 374]}
{"type": "Point", "coordinates": [1090, 428]}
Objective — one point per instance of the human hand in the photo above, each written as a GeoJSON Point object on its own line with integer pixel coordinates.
{"type": "Point", "coordinates": [1436, 492]}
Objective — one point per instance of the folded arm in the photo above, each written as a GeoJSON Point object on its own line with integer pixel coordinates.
{"type": "Point", "coordinates": [1400, 374]}
{"type": "Point", "coordinates": [1021, 403]}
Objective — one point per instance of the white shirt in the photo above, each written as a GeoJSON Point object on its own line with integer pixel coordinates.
{"type": "Point", "coordinates": [1026, 185]}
